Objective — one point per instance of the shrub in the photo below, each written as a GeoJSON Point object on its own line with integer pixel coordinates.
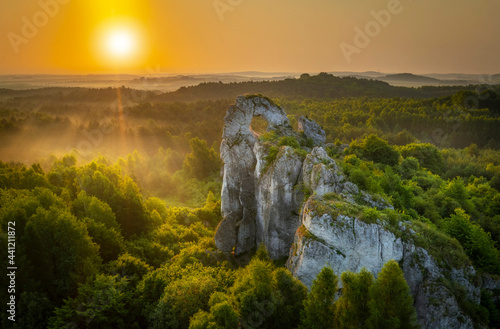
{"type": "Point", "coordinates": [427, 155]}
{"type": "Point", "coordinates": [374, 149]}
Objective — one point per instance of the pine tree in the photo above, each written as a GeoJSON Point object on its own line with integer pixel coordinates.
{"type": "Point", "coordinates": [391, 305]}
{"type": "Point", "coordinates": [352, 307]}
{"type": "Point", "coordinates": [319, 306]}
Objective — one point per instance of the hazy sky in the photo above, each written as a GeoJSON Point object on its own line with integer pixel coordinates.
{"type": "Point", "coordinates": [193, 36]}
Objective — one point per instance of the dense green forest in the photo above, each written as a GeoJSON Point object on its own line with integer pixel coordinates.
{"type": "Point", "coordinates": [96, 253]}
{"type": "Point", "coordinates": [115, 195]}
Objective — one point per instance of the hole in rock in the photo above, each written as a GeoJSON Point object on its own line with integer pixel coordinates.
{"type": "Point", "coordinates": [258, 126]}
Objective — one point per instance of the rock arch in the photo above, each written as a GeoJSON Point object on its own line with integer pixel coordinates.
{"type": "Point", "coordinates": [240, 151]}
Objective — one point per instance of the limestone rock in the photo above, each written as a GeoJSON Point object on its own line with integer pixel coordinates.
{"type": "Point", "coordinates": [312, 130]}
{"type": "Point", "coordinates": [321, 174]}
{"type": "Point", "coordinates": [244, 200]}
{"type": "Point", "coordinates": [346, 243]}
{"type": "Point", "coordinates": [493, 285]}
{"type": "Point", "coordinates": [278, 203]}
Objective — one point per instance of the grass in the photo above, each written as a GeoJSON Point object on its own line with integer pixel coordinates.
{"type": "Point", "coordinates": [269, 139]}
{"type": "Point", "coordinates": [251, 96]}
{"type": "Point", "coordinates": [445, 250]}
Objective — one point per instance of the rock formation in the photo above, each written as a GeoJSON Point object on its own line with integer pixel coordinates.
{"type": "Point", "coordinates": [312, 130]}
{"type": "Point", "coordinates": [257, 205]}
{"type": "Point", "coordinates": [263, 200]}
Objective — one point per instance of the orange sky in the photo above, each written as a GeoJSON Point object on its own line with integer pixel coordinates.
{"type": "Point", "coordinates": [192, 36]}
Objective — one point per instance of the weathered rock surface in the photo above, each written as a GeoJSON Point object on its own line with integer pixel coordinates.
{"type": "Point", "coordinates": [343, 243]}
{"type": "Point", "coordinates": [346, 243]}
{"type": "Point", "coordinates": [321, 174]}
{"type": "Point", "coordinates": [312, 130]}
{"type": "Point", "coordinates": [262, 199]}
{"type": "Point", "coordinates": [278, 203]}
{"type": "Point", "coordinates": [256, 206]}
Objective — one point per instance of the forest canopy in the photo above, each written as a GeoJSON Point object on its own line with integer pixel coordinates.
{"type": "Point", "coordinates": [119, 203]}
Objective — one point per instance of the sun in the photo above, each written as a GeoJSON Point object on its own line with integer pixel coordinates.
{"type": "Point", "coordinates": [120, 43]}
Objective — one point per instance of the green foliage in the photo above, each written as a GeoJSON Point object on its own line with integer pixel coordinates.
{"type": "Point", "coordinates": [372, 148]}
{"type": "Point", "coordinates": [477, 244]}
{"type": "Point", "coordinates": [363, 302]}
{"type": "Point", "coordinates": [185, 291]}
{"type": "Point", "coordinates": [253, 292]}
{"type": "Point", "coordinates": [274, 150]}
{"type": "Point", "coordinates": [262, 253]}
{"type": "Point", "coordinates": [271, 156]}
{"type": "Point", "coordinates": [79, 215]}
{"type": "Point", "coordinates": [85, 206]}
{"type": "Point", "coordinates": [493, 308]}
{"type": "Point", "coordinates": [291, 294]}
{"type": "Point", "coordinates": [100, 303]}
{"type": "Point", "coordinates": [56, 242]}
{"type": "Point", "coordinates": [202, 162]}
{"type": "Point", "coordinates": [409, 167]}
{"type": "Point", "coordinates": [105, 182]}
{"type": "Point", "coordinates": [17, 176]}
{"type": "Point", "coordinates": [222, 314]}
{"type": "Point", "coordinates": [445, 250]}
{"type": "Point", "coordinates": [289, 141]}
{"type": "Point", "coordinates": [34, 310]}
{"type": "Point", "coordinates": [269, 136]}
{"type": "Point", "coordinates": [456, 193]}
{"type": "Point", "coordinates": [430, 198]}
{"type": "Point", "coordinates": [391, 304]}
{"type": "Point", "coordinates": [352, 309]}
{"type": "Point", "coordinates": [427, 155]}
{"type": "Point", "coordinates": [161, 266]}
{"type": "Point", "coordinates": [111, 242]}
{"type": "Point", "coordinates": [266, 297]}
{"type": "Point", "coordinates": [181, 300]}
{"type": "Point", "coordinates": [319, 307]}
{"type": "Point", "coordinates": [370, 215]}
{"type": "Point", "coordinates": [129, 267]}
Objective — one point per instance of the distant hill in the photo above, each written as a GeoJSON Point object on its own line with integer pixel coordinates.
{"type": "Point", "coordinates": [412, 80]}
{"type": "Point", "coordinates": [409, 77]}
{"type": "Point", "coordinates": [321, 86]}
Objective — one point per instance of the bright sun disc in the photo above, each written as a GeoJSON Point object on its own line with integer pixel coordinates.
{"type": "Point", "coordinates": [120, 43]}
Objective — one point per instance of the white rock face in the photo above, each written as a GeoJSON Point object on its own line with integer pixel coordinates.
{"type": "Point", "coordinates": [312, 130]}
{"type": "Point", "coordinates": [321, 174]}
{"type": "Point", "coordinates": [257, 206]}
{"type": "Point", "coordinates": [343, 243]}
{"type": "Point", "coordinates": [278, 203]}
{"type": "Point", "coordinates": [348, 244]}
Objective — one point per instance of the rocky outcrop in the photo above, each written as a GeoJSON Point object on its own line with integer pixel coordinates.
{"type": "Point", "coordinates": [312, 130]}
{"type": "Point", "coordinates": [341, 242]}
{"type": "Point", "coordinates": [329, 237]}
{"type": "Point", "coordinates": [320, 173]}
{"type": "Point", "coordinates": [257, 205]}
{"type": "Point", "coordinates": [264, 186]}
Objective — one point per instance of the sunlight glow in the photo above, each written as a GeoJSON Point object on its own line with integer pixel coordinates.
{"type": "Point", "coordinates": [120, 43]}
